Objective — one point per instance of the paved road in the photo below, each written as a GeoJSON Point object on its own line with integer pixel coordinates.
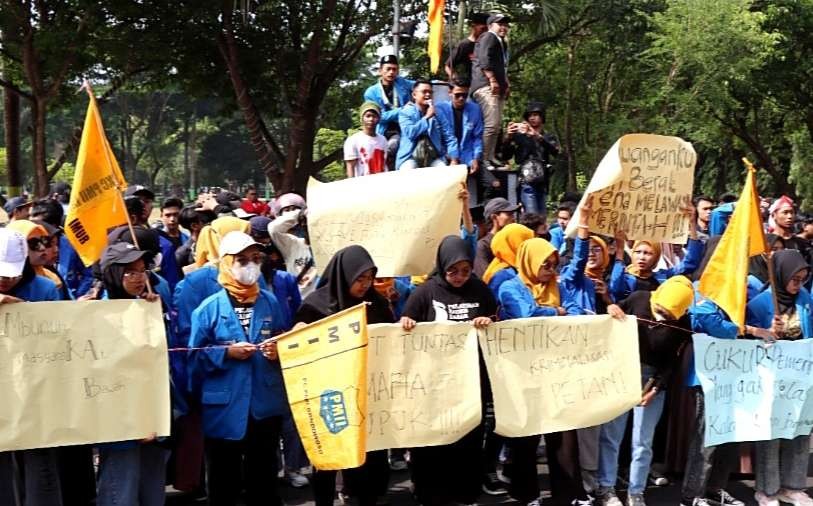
{"type": "Point", "coordinates": [399, 495]}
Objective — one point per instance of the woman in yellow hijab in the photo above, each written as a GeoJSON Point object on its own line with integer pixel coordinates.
{"type": "Point", "coordinates": [534, 291]}
{"type": "Point", "coordinates": [504, 245]}
{"type": "Point", "coordinates": [43, 249]}
{"type": "Point", "coordinates": [211, 234]}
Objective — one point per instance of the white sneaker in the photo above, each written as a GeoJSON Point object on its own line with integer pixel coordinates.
{"type": "Point", "coordinates": [794, 497]}
{"type": "Point", "coordinates": [581, 502]}
{"type": "Point", "coordinates": [296, 479]}
{"type": "Point", "coordinates": [766, 500]}
{"type": "Point", "coordinates": [535, 502]}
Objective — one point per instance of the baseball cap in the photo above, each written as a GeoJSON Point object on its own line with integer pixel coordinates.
{"type": "Point", "coordinates": [259, 226]}
{"type": "Point", "coordinates": [499, 18]}
{"type": "Point", "coordinates": [137, 190]}
{"type": "Point", "coordinates": [498, 205]}
{"type": "Point", "coordinates": [120, 253]}
{"type": "Point", "coordinates": [13, 253]}
{"type": "Point", "coordinates": [234, 242]}
{"type": "Point", "coordinates": [227, 198]}
{"type": "Point", "coordinates": [242, 213]}
{"type": "Point", "coordinates": [390, 58]}
{"type": "Point", "coordinates": [15, 202]}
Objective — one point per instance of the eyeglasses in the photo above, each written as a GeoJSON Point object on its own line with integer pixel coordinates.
{"type": "Point", "coordinates": [798, 280]}
{"type": "Point", "coordinates": [40, 243]}
{"type": "Point", "coordinates": [597, 250]}
{"type": "Point", "coordinates": [134, 275]}
{"type": "Point", "coordinates": [548, 265]}
{"type": "Point", "coordinates": [459, 95]}
{"type": "Point", "coordinates": [463, 273]}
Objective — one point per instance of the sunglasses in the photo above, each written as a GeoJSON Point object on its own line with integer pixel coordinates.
{"type": "Point", "coordinates": [40, 243]}
{"type": "Point", "coordinates": [459, 95]}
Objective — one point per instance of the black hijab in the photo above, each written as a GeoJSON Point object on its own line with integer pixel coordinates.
{"type": "Point", "coordinates": [757, 266]}
{"type": "Point", "coordinates": [786, 264]}
{"type": "Point", "coordinates": [332, 293]}
{"type": "Point", "coordinates": [452, 249]}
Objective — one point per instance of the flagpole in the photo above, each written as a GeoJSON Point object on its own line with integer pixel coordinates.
{"type": "Point", "coordinates": [768, 255]}
{"type": "Point", "coordinates": [120, 191]}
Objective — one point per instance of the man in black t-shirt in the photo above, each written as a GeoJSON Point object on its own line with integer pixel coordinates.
{"type": "Point", "coordinates": [458, 66]}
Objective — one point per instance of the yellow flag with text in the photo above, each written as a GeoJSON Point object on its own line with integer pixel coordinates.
{"type": "Point", "coordinates": [435, 48]}
{"type": "Point", "coordinates": [725, 278]}
{"type": "Point", "coordinates": [96, 204]}
{"type": "Point", "coordinates": [325, 370]}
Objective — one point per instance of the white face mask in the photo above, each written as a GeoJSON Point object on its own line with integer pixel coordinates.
{"type": "Point", "coordinates": [246, 275]}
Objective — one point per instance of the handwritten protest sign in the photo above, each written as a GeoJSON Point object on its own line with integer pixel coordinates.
{"type": "Point", "coordinates": [555, 374]}
{"type": "Point", "coordinates": [639, 187]}
{"type": "Point", "coordinates": [399, 217]}
{"type": "Point", "coordinates": [424, 385]}
{"type": "Point", "coordinates": [324, 368]}
{"type": "Point", "coordinates": [754, 391]}
{"type": "Point", "coordinates": [81, 373]}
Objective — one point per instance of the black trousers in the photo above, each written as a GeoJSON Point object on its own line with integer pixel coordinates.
{"type": "Point", "coordinates": [250, 464]}
{"type": "Point", "coordinates": [366, 483]}
{"type": "Point", "coordinates": [449, 473]}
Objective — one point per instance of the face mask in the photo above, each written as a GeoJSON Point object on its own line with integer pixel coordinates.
{"type": "Point", "coordinates": [246, 275]}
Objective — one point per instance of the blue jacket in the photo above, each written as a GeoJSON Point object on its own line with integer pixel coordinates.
{"type": "Point", "coordinates": [719, 219]}
{"type": "Point", "coordinates": [402, 88]}
{"type": "Point", "coordinates": [470, 147]}
{"type": "Point", "coordinates": [500, 277]}
{"type": "Point", "coordinates": [557, 236]}
{"type": "Point", "coordinates": [708, 318]}
{"type": "Point", "coordinates": [759, 312]}
{"type": "Point", "coordinates": [169, 266]}
{"type": "Point", "coordinates": [754, 286]}
{"type": "Point", "coordinates": [233, 390]}
{"type": "Point", "coordinates": [577, 291]}
{"type": "Point", "coordinates": [287, 293]}
{"type": "Point", "coordinates": [413, 126]}
{"type": "Point", "coordinates": [622, 283]}
{"type": "Point", "coordinates": [77, 277]}
{"type": "Point", "coordinates": [516, 301]}
{"type": "Point", "coordinates": [38, 289]}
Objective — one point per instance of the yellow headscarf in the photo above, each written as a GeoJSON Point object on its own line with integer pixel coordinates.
{"type": "Point", "coordinates": [504, 245]}
{"type": "Point", "coordinates": [33, 230]}
{"type": "Point", "coordinates": [244, 294]}
{"type": "Point", "coordinates": [530, 257]}
{"type": "Point", "coordinates": [656, 248]}
{"type": "Point", "coordinates": [597, 272]}
{"type": "Point", "coordinates": [674, 295]}
{"type": "Point", "coordinates": [210, 235]}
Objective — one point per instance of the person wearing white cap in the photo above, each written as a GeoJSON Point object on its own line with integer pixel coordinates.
{"type": "Point", "coordinates": [241, 389]}
{"type": "Point", "coordinates": [19, 283]}
{"type": "Point", "coordinates": [289, 232]}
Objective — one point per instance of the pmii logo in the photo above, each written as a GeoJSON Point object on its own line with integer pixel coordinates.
{"type": "Point", "coordinates": [333, 411]}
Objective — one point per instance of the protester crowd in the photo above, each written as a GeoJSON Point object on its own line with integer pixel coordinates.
{"type": "Point", "coordinates": [230, 273]}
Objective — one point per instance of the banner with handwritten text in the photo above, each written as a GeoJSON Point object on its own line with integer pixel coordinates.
{"type": "Point", "coordinates": [400, 217]}
{"type": "Point", "coordinates": [82, 372]}
{"type": "Point", "coordinates": [755, 391]}
{"type": "Point", "coordinates": [424, 385]}
{"type": "Point", "coordinates": [640, 186]}
{"type": "Point", "coordinates": [555, 374]}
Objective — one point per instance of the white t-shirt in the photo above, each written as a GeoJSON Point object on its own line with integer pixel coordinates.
{"type": "Point", "coordinates": [369, 152]}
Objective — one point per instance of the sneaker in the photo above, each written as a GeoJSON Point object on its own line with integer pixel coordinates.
{"type": "Point", "coordinates": [492, 485]}
{"type": "Point", "coordinates": [794, 497]}
{"type": "Point", "coordinates": [607, 497]}
{"type": "Point", "coordinates": [723, 498]}
{"type": "Point", "coordinates": [535, 502]}
{"type": "Point", "coordinates": [581, 502]}
{"type": "Point", "coordinates": [398, 464]}
{"type": "Point", "coordinates": [766, 500]}
{"type": "Point", "coordinates": [636, 500]}
{"type": "Point", "coordinates": [697, 501]}
{"type": "Point", "coordinates": [658, 479]}
{"type": "Point", "coordinates": [296, 479]}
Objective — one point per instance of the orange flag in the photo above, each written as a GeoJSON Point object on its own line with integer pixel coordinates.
{"type": "Point", "coordinates": [96, 204]}
{"type": "Point", "coordinates": [435, 48]}
{"type": "Point", "coordinates": [725, 278]}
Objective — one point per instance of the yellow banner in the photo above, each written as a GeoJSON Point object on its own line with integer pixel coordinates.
{"type": "Point", "coordinates": [96, 204]}
{"type": "Point", "coordinates": [399, 217]}
{"type": "Point", "coordinates": [639, 187]}
{"type": "Point", "coordinates": [82, 373]}
{"type": "Point", "coordinates": [324, 367]}
{"type": "Point", "coordinates": [424, 385]}
{"type": "Point", "coordinates": [555, 374]}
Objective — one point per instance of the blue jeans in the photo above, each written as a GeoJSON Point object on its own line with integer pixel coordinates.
{"type": "Point", "coordinates": [133, 476]}
{"type": "Point", "coordinates": [644, 421]}
{"type": "Point", "coordinates": [293, 452]}
{"type": "Point", "coordinates": [533, 198]}
{"type": "Point", "coordinates": [412, 164]}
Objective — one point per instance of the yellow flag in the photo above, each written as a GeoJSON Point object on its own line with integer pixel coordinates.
{"type": "Point", "coordinates": [96, 204]}
{"type": "Point", "coordinates": [725, 277]}
{"type": "Point", "coordinates": [435, 33]}
{"type": "Point", "coordinates": [325, 369]}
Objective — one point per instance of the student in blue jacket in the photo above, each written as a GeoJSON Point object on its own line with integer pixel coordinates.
{"type": "Point", "coordinates": [640, 274]}
{"type": "Point", "coordinates": [19, 283]}
{"type": "Point", "coordinates": [242, 392]}
{"type": "Point", "coordinates": [391, 93]}
{"type": "Point", "coordinates": [418, 124]}
{"type": "Point", "coordinates": [781, 464]}
{"type": "Point", "coordinates": [130, 472]}
{"type": "Point", "coordinates": [504, 246]}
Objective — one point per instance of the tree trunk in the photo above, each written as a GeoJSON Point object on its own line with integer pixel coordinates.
{"type": "Point", "coordinates": [11, 121]}
{"type": "Point", "coordinates": [193, 155]}
{"type": "Point", "coordinates": [570, 155]}
{"type": "Point", "coordinates": [38, 114]}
